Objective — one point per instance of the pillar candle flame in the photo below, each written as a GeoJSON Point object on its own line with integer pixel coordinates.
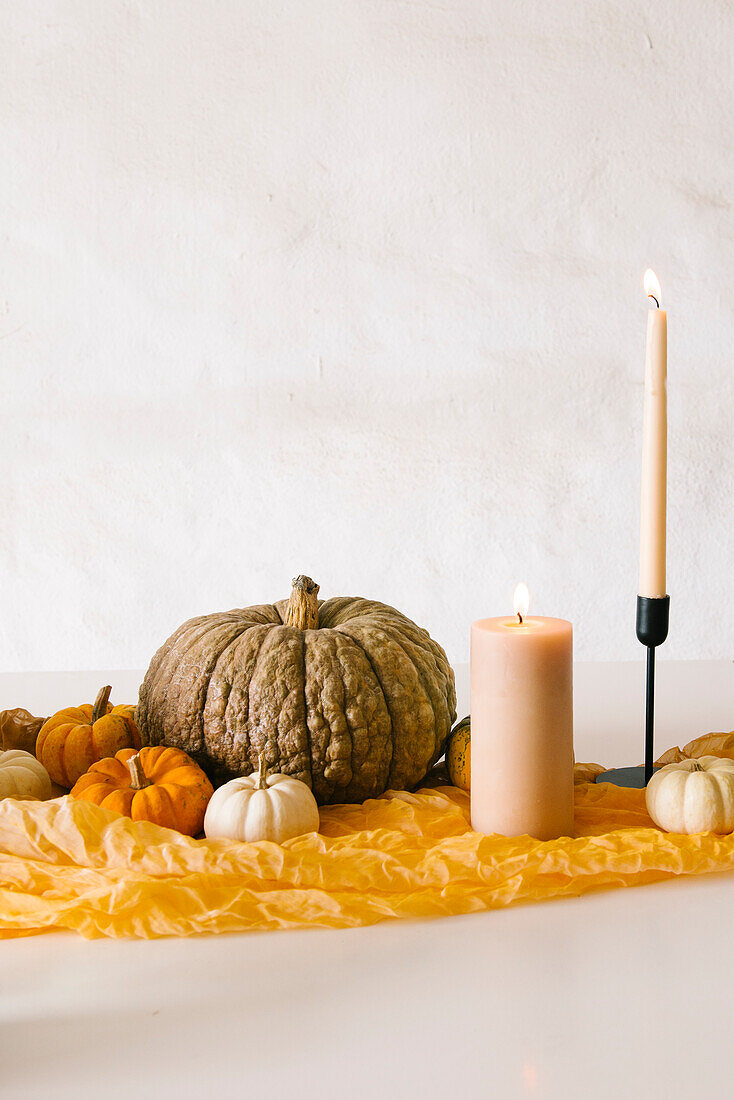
{"type": "Point", "coordinates": [521, 601]}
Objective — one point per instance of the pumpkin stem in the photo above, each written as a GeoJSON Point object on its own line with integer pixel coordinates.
{"type": "Point", "coordinates": [262, 775]}
{"type": "Point", "coordinates": [100, 703]}
{"type": "Point", "coordinates": [303, 604]}
{"type": "Point", "coordinates": [138, 778]}
{"type": "Point", "coordinates": [696, 766]}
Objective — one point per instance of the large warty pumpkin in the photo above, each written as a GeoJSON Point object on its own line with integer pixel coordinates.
{"type": "Point", "coordinates": [346, 694]}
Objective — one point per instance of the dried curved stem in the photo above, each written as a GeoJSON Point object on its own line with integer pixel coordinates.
{"type": "Point", "coordinates": [303, 604]}
{"type": "Point", "coordinates": [100, 703]}
{"type": "Point", "coordinates": [262, 775]}
{"type": "Point", "coordinates": [138, 779]}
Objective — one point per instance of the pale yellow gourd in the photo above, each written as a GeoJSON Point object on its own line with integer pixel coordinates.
{"type": "Point", "coordinates": [22, 776]}
{"type": "Point", "coordinates": [458, 755]}
{"type": "Point", "coordinates": [693, 796]}
{"type": "Point", "coordinates": [262, 807]}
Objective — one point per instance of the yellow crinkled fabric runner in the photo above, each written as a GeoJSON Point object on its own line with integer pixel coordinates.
{"type": "Point", "coordinates": [69, 864]}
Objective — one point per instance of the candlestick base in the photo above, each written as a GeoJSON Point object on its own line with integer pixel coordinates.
{"type": "Point", "coordinates": [624, 777]}
{"type": "Point", "coordinates": [653, 613]}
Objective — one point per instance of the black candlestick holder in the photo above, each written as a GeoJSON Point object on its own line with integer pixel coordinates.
{"type": "Point", "coordinates": [653, 615]}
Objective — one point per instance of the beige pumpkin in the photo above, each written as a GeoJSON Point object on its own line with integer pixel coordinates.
{"type": "Point", "coordinates": [693, 796]}
{"type": "Point", "coordinates": [22, 776]}
{"type": "Point", "coordinates": [262, 807]}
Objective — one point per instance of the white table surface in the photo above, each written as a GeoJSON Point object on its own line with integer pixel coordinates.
{"type": "Point", "coordinates": [625, 993]}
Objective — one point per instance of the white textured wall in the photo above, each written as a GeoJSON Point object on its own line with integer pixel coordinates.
{"type": "Point", "coordinates": [354, 289]}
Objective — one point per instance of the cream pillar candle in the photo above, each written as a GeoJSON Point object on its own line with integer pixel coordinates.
{"type": "Point", "coordinates": [654, 448]}
{"type": "Point", "coordinates": [522, 725]}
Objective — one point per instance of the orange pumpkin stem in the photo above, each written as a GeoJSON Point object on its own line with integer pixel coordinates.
{"type": "Point", "coordinates": [303, 605]}
{"type": "Point", "coordinates": [100, 703]}
{"type": "Point", "coordinates": [138, 779]}
{"type": "Point", "coordinates": [262, 775]}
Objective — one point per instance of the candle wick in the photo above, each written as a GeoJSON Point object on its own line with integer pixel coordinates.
{"type": "Point", "coordinates": [657, 303]}
{"type": "Point", "coordinates": [519, 617]}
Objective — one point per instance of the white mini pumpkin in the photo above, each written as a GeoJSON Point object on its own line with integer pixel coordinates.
{"type": "Point", "coordinates": [262, 807]}
{"type": "Point", "coordinates": [693, 796]}
{"type": "Point", "coordinates": [22, 776]}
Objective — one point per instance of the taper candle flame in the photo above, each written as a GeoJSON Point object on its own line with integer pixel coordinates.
{"type": "Point", "coordinates": [652, 286]}
{"type": "Point", "coordinates": [521, 601]}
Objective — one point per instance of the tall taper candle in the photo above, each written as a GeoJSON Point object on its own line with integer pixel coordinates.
{"type": "Point", "coordinates": [654, 448]}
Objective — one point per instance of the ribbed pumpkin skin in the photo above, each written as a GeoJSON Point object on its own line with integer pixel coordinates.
{"type": "Point", "coordinates": [177, 797]}
{"type": "Point", "coordinates": [23, 776]}
{"type": "Point", "coordinates": [362, 704]}
{"type": "Point", "coordinates": [68, 743]}
{"type": "Point", "coordinates": [693, 796]}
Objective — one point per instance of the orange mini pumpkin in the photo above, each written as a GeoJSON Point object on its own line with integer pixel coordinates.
{"type": "Point", "coordinates": [157, 784]}
{"type": "Point", "coordinates": [72, 740]}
